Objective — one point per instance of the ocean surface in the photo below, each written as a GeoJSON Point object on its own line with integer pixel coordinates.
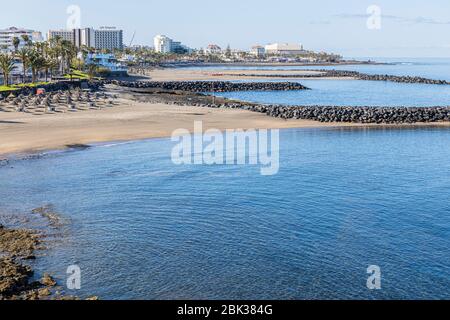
{"type": "Point", "coordinates": [361, 93]}
{"type": "Point", "coordinates": [351, 93]}
{"type": "Point", "coordinates": [434, 68]}
{"type": "Point", "coordinates": [140, 227]}
{"type": "Point", "coordinates": [344, 199]}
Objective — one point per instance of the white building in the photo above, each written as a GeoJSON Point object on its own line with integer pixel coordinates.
{"type": "Point", "coordinates": [164, 44]}
{"type": "Point", "coordinates": [284, 49]}
{"type": "Point", "coordinates": [7, 36]}
{"type": "Point", "coordinates": [84, 37]}
{"type": "Point", "coordinates": [108, 61]}
{"type": "Point", "coordinates": [108, 38]}
{"type": "Point", "coordinates": [213, 49]}
{"type": "Point", "coordinates": [258, 51]}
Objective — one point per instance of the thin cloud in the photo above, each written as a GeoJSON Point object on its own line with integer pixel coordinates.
{"type": "Point", "coordinates": [320, 22]}
{"type": "Point", "coordinates": [416, 20]}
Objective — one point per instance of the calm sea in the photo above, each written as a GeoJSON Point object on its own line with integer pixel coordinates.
{"type": "Point", "coordinates": [362, 93]}
{"type": "Point", "coordinates": [343, 200]}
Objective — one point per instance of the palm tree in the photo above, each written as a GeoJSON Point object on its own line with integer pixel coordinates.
{"type": "Point", "coordinates": [26, 40]}
{"type": "Point", "coordinates": [7, 66]}
{"type": "Point", "coordinates": [92, 70]}
{"type": "Point", "coordinates": [37, 63]}
{"type": "Point", "coordinates": [49, 65]}
{"type": "Point", "coordinates": [16, 43]}
{"type": "Point", "coordinates": [23, 56]}
{"type": "Point", "coordinates": [55, 50]}
{"type": "Point", "coordinates": [84, 51]}
{"type": "Point", "coordinates": [68, 52]}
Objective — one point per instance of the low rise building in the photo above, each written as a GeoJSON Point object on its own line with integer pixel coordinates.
{"type": "Point", "coordinates": [213, 49]}
{"type": "Point", "coordinates": [258, 51]}
{"type": "Point", "coordinates": [107, 61]}
{"type": "Point", "coordinates": [284, 49]}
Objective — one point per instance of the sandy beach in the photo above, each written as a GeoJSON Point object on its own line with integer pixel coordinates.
{"type": "Point", "coordinates": [133, 120]}
{"type": "Point", "coordinates": [229, 75]}
{"type": "Point", "coordinates": [23, 133]}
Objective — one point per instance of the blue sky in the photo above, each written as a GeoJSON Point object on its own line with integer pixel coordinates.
{"type": "Point", "coordinates": [414, 28]}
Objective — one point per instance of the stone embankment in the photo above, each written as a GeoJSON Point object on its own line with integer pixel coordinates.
{"type": "Point", "coordinates": [343, 114]}
{"type": "Point", "coordinates": [323, 73]}
{"type": "Point", "coordinates": [380, 115]}
{"type": "Point", "coordinates": [212, 86]}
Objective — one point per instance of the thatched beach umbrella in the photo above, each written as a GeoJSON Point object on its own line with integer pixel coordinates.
{"type": "Point", "coordinates": [22, 107]}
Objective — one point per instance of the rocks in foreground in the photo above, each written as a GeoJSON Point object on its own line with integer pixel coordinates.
{"type": "Point", "coordinates": [16, 276]}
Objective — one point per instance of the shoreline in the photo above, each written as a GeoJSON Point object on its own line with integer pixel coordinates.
{"type": "Point", "coordinates": [158, 112]}
{"type": "Point", "coordinates": [273, 64]}
{"type": "Point", "coordinates": [141, 116]}
{"type": "Point", "coordinates": [21, 244]}
{"type": "Point", "coordinates": [30, 153]}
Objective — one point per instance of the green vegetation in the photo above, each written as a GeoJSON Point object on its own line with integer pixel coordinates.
{"type": "Point", "coordinates": [91, 74]}
{"type": "Point", "coordinates": [76, 74]}
{"type": "Point", "coordinates": [6, 66]}
{"type": "Point", "coordinates": [22, 85]}
{"type": "Point", "coordinates": [53, 57]}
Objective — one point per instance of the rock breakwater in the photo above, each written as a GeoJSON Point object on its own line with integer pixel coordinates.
{"type": "Point", "coordinates": [323, 73]}
{"type": "Point", "coordinates": [212, 86]}
{"type": "Point", "coordinates": [343, 114]}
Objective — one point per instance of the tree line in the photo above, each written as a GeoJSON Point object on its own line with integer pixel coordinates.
{"type": "Point", "coordinates": [52, 57]}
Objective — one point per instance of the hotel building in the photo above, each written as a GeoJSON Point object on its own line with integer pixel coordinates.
{"type": "Point", "coordinates": [164, 44]}
{"type": "Point", "coordinates": [105, 38]}
{"type": "Point", "coordinates": [7, 36]}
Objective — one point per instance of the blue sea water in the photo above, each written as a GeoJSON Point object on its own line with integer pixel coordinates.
{"type": "Point", "coordinates": [344, 199]}
{"type": "Point", "coordinates": [361, 93]}
{"type": "Point", "coordinates": [351, 93]}
{"type": "Point", "coordinates": [141, 227]}
{"type": "Point", "coordinates": [433, 68]}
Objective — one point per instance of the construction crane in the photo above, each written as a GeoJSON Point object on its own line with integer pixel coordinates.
{"type": "Point", "coordinates": [132, 38]}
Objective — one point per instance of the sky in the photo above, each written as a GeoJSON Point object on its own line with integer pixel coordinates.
{"type": "Point", "coordinates": [353, 28]}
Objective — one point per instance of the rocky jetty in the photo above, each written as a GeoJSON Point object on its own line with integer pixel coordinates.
{"type": "Point", "coordinates": [330, 113]}
{"type": "Point", "coordinates": [323, 73]}
{"type": "Point", "coordinates": [381, 77]}
{"type": "Point", "coordinates": [377, 115]}
{"type": "Point", "coordinates": [348, 114]}
{"type": "Point", "coordinates": [213, 86]}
